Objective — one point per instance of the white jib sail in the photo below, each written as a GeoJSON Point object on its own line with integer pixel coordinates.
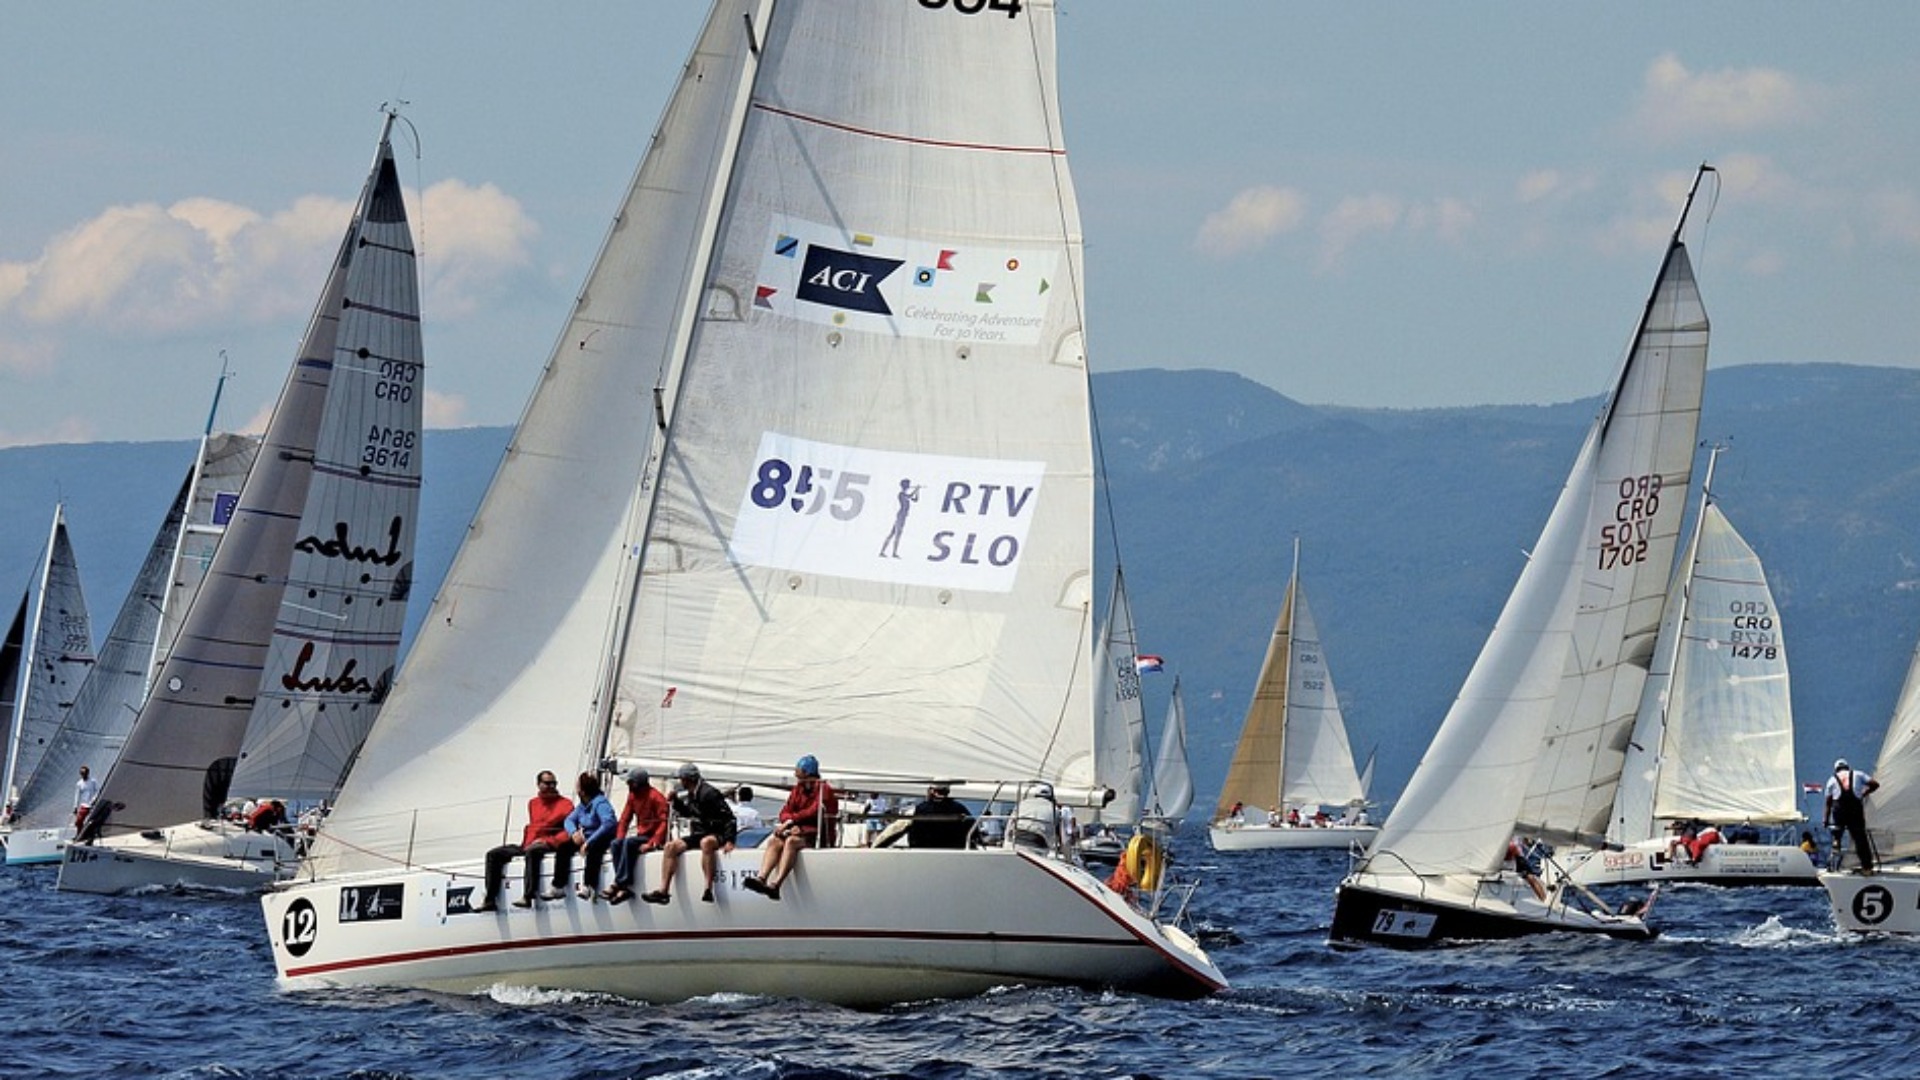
{"type": "Point", "coordinates": [1728, 751]}
{"type": "Point", "coordinates": [1172, 773]}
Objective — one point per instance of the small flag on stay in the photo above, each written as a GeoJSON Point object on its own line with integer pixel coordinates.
{"type": "Point", "coordinates": [1147, 662]}
{"type": "Point", "coordinates": [1810, 787]}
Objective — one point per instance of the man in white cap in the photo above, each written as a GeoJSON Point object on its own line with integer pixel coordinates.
{"type": "Point", "coordinates": [1846, 811]}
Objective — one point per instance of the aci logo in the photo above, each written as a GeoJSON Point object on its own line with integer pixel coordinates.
{"type": "Point", "coordinates": [844, 279]}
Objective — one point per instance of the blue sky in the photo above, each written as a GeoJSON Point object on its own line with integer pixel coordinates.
{"type": "Point", "coordinates": [1386, 204]}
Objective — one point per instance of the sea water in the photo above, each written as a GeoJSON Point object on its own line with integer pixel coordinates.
{"type": "Point", "coordinates": [1742, 982]}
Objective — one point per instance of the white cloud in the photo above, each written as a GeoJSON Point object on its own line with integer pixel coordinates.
{"type": "Point", "coordinates": [471, 239]}
{"type": "Point", "coordinates": [27, 356]}
{"type": "Point", "coordinates": [1896, 212]}
{"type": "Point", "coordinates": [1447, 217]}
{"type": "Point", "coordinates": [147, 270]}
{"type": "Point", "coordinates": [1255, 216]}
{"type": "Point", "coordinates": [1675, 102]}
{"type": "Point", "coordinates": [70, 429]}
{"type": "Point", "coordinates": [1354, 217]}
{"type": "Point", "coordinates": [444, 411]}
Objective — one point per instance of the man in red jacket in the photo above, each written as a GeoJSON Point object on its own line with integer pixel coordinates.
{"type": "Point", "coordinates": [643, 828]}
{"type": "Point", "coordinates": [810, 818]}
{"type": "Point", "coordinates": [546, 831]}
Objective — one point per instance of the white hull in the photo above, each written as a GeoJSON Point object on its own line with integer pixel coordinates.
{"type": "Point", "coordinates": [854, 927]}
{"type": "Point", "coordinates": [211, 855]}
{"type": "Point", "coordinates": [1886, 901]}
{"type": "Point", "coordinates": [1290, 837]}
{"type": "Point", "coordinates": [35, 846]}
{"type": "Point", "coordinates": [1722, 864]}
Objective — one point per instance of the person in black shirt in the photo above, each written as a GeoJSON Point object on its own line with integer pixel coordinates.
{"type": "Point", "coordinates": [940, 821]}
{"type": "Point", "coordinates": [710, 827]}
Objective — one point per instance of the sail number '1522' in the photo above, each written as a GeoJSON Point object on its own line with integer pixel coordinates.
{"type": "Point", "coordinates": [975, 7]}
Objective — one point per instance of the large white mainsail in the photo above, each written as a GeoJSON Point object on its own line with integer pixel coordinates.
{"type": "Point", "coordinates": [1535, 741]}
{"type": "Point", "coordinates": [304, 586]}
{"type": "Point", "coordinates": [853, 519]}
{"type": "Point", "coordinates": [104, 707]}
{"type": "Point", "coordinates": [58, 654]}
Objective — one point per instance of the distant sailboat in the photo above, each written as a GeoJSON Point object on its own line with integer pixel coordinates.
{"type": "Point", "coordinates": [854, 519]}
{"type": "Point", "coordinates": [1293, 757]}
{"type": "Point", "coordinates": [1120, 736]}
{"type": "Point", "coordinates": [52, 650]}
{"type": "Point", "coordinates": [288, 651]}
{"type": "Point", "coordinates": [1533, 747]}
{"type": "Point", "coordinates": [95, 728]}
{"type": "Point", "coordinates": [1714, 739]}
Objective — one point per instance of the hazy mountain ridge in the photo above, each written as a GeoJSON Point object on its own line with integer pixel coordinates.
{"type": "Point", "coordinates": [1413, 526]}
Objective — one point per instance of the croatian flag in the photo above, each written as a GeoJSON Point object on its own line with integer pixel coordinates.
{"type": "Point", "coordinates": [1147, 662]}
{"type": "Point", "coordinates": [1811, 788]}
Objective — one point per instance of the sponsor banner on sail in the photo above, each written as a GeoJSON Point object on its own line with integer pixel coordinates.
{"type": "Point", "coordinates": [942, 290]}
{"type": "Point", "coordinates": [878, 515]}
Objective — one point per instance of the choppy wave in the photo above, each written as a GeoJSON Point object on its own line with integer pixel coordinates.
{"type": "Point", "coordinates": [1740, 981]}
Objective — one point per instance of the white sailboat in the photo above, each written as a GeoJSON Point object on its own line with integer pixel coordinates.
{"type": "Point", "coordinates": [288, 650]}
{"type": "Point", "coordinates": [1534, 745]}
{"type": "Point", "coordinates": [854, 519]}
{"type": "Point", "coordinates": [95, 728]}
{"type": "Point", "coordinates": [1714, 738]}
{"type": "Point", "coordinates": [52, 647]}
{"type": "Point", "coordinates": [1293, 757]}
{"type": "Point", "coordinates": [1887, 900]}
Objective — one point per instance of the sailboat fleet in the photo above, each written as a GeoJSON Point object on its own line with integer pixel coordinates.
{"type": "Point", "coordinates": [809, 474]}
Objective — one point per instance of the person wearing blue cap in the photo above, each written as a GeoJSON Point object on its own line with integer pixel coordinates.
{"type": "Point", "coordinates": [808, 819]}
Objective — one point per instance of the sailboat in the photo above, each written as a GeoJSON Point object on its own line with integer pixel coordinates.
{"type": "Point", "coordinates": [1714, 738]}
{"type": "Point", "coordinates": [288, 650]}
{"type": "Point", "coordinates": [1293, 757]}
{"type": "Point", "coordinates": [43, 666]}
{"type": "Point", "coordinates": [853, 519]}
{"type": "Point", "coordinates": [1120, 733]}
{"type": "Point", "coordinates": [1887, 899]}
{"type": "Point", "coordinates": [95, 728]}
{"type": "Point", "coordinates": [1532, 750]}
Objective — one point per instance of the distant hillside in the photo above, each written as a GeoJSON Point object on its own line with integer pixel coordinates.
{"type": "Point", "coordinates": [1413, 525]}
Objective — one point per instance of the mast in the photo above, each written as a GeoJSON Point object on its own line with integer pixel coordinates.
{"type": "Point", "coordinates": [187, 526]}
